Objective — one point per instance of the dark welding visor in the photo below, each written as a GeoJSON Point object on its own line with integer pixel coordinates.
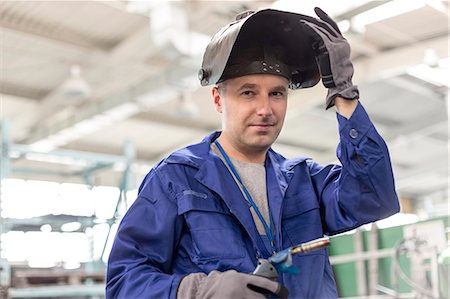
{"type": "Point", "coordinates": [266, 41]}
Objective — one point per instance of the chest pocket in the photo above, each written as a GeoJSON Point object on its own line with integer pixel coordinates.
{"type": "Point", "coordinates": [301, 218]}
{"type": "Point", "coordinates": [214, 231]}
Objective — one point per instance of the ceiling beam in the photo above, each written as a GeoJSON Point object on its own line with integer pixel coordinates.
{"type": "Point", "coordinates": [22, 90]}
{"type": "Point", "coordinates": [20, 40]}
{"type": "Point", "coordinates": [44, 31]}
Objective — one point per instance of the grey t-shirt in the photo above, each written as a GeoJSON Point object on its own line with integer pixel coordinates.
{"type": "Point", "coordinates": [253, 176]}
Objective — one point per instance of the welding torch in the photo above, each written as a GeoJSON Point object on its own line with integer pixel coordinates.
{"type": "Point", "coordinates": [282, 261]}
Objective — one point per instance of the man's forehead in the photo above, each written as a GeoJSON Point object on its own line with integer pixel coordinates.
{"type": "Point", "coordinates": [258, 80]}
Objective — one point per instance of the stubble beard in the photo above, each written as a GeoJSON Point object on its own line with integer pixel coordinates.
{"type": "Point", "coordinates": [258, 142]}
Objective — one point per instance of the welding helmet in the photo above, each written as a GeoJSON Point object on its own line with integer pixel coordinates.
{"type": "Point", "coordinates": [267, 41]}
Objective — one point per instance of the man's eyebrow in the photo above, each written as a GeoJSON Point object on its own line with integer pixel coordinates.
{"type": "Point", "coordinates": [247, 86]}
{"type": "Point", "coordinates": [253, 86]}
{"type": "Point", "coordinates": [279, 88]}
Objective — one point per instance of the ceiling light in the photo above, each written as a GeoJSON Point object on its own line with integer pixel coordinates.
{"type": "Point", "coordinates": [437, 75]}
{"type": "Point", "coordinates": [71, 265]}
{"type": "Point", "coordinates": [344, 25]}
{"type": "Point", "coordinates": [75, 86]}
{"type": "Point", "coordinates": [41, 263]}
{"type": "Point", "coordinates": [46, 228]}
{"type": "Point", "coordinates": [71, 226]}
{"type": "Point", "coordinates": [431, 58]}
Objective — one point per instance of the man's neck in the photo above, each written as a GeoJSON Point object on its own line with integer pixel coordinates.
{"type": "Point", "coordinates": [240, 154]}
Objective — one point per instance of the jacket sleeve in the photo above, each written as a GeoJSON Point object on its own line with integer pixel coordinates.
{"type": "Point", "coordinates": [362, 190]}
{"type": "Point", "coordinates": [140, 261]}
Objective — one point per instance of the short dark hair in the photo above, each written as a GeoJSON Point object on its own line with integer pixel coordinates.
{"type": "Point", "coordinates": [221, 87]}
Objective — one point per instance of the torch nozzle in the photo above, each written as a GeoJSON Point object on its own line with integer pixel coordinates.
{"type": "Point", "coordinates": [311, 245]}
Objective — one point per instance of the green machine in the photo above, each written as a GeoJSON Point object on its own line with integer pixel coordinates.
{"type": "Point", "coordinates": [409, 261]}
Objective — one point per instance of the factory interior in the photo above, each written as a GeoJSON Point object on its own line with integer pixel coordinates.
{"type": "Point", "coordinates": [93, 94]}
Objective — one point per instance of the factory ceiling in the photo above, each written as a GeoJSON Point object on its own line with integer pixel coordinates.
{"type": "Point", "coordinates": [92, 76]}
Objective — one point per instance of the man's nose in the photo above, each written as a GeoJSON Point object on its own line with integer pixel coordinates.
{"type": "Point", "coordinates": [264, 106]}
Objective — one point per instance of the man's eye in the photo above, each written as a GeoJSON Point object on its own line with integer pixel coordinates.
{"type": "Point", "coordinates": [247, 93]}
{"type": "Point", "coordinates": [277, 94]}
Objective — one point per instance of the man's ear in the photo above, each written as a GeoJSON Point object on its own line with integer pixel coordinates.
{"type": "Point", "coordinates": [217, 99]}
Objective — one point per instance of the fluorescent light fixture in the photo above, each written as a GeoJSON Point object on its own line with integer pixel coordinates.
{"type": "Point", "coordinates": [437, 76]}
{"type": "Point", "coordinates": [71, 226]}
{"type": "Point", "coordinates": [359, 22]}
{"type": "Point", "coordinates": [331, 7]}
{"type": "Point", "coordinates": [43, 146]}
{"type": "Point", "coordinates": [65, 160]}
{"type": "Point", "coordinates": [385, 11]}
{"type": "Point", "coordinates": [71, 265]}
{"type": "Point", "coordinates": [41, 263]}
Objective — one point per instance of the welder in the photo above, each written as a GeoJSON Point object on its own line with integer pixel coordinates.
{"type": "Point", "coordinates": [207, 213]}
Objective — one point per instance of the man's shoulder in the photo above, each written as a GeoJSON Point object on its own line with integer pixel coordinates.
{"type": "Point", "coordinates": [287, 163]}
{"type": "Point", "coordinates": [192, 155]}
{"type": "Point", "coordinates": [174, 165]}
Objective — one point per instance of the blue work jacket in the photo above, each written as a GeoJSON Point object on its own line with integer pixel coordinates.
{"type": "Point", "coordinates": [190, 216]}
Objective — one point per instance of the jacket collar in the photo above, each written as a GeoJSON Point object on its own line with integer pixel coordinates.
{"type": "Point", "coordinates": [200, 156]}
{"type": "Point", "coordinates": [210, 167]}
{"type": "Point", "coordinates": [196, 155]}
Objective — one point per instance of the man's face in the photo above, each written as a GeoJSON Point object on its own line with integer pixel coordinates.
{"type": "Point", "coordinates": [253, 108]}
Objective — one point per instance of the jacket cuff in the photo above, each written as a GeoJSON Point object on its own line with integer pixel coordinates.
{"type": "Point", "coordinates": [353, 130]}
{"type": "Point", "coordinates": [350, 92]}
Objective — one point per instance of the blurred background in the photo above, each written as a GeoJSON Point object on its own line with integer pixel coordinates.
{"type": "Point", "coordinates": [94, 93]}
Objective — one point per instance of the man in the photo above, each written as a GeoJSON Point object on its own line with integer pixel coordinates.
{"type": "Point", "coordinates": [205, 214]}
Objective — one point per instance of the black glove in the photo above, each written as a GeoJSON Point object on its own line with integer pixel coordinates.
{"type": "Point", "coordinates": [229, 284]}
{"type": "Point", "coordinates": [333, 57]}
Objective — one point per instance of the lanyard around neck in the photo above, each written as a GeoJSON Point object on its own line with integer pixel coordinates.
{"type": "Point", "coordinates": [267, 228]}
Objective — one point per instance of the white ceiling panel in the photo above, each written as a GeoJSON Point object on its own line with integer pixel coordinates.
{"type": "Point", "coordinates": [408, 28]}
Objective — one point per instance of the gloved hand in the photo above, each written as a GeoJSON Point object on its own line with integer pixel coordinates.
{"type": "Point", "coordinates": [333, 57]}
{"type": "Point", "coordinates": [229, 284]}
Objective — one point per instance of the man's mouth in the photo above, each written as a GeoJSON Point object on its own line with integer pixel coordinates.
{"type": "Point", "coordinates": [262, 126]}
